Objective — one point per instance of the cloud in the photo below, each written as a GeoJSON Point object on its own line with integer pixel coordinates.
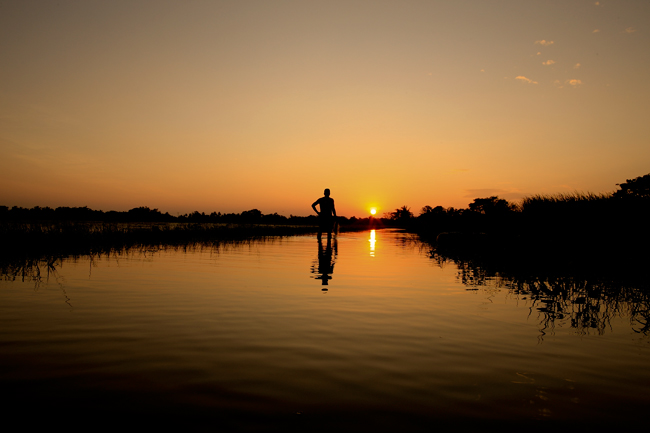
{"type": "Point", "coordinates": [574, 82]}
{"type": "Point", "coordinates": [544, 42]}
{"type": "Point", "coordinates": [527, 80]}
{"type": "Point", "coordinates": [597, 3]}
{"type": "Point", "coordinates": [629, 30]}
{"type": "Point", "coordinates": [577, 65]}
{"type": "Point", "coordinates": [596, 31]}
{"type": "Point", "coordinates": [482, 70]}
{"type": "Point", "coordinates": [539, 53]}
{"type": "Point", "coordinates": [548, 62]}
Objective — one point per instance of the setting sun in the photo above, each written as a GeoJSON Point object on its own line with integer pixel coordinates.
{"type": "Point", "coordinates": [373, 211]}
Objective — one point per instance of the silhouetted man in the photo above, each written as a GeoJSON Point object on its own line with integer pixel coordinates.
{"type": "Point", "coordinates": [326, 214]}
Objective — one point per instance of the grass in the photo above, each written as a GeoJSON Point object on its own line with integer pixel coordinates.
{"type": "Point", "coordinates": [36, 240]}
{"type": "Point", "coordinates": [546, 202]}
{"type": "Point", "coordinates": [20, 240]}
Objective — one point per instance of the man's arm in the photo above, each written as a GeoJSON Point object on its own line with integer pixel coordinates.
{"type": "Point", "coordinates": [333, 209]}
{"type": "Point", "coordinates": [313, 206]}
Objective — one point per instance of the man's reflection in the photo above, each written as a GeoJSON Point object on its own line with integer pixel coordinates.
{"type": "Point", "coordinates": [324, 266]}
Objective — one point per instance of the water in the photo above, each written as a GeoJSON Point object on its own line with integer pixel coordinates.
{"type": "Point", "coordinates": [365, 333]}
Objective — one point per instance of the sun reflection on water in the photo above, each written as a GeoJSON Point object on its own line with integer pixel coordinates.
{"type": "Point", "coordinates": [372, 241]}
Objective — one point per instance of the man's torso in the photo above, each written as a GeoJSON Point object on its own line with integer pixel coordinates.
{"type": "Point", "coordinates": [326, 206]}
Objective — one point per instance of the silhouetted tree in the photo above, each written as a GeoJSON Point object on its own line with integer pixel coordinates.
{"type": "Point", "coordinates": [274, 218]}
{"type": "Point", "coordinates": [143, 213]}
{"type": "Point", "coordinates": [490, 206]}
{"type": "Point", "coordinates": [77, 213]}
{"type": "Point", "coordinates": [401, 215]}
{"type": "Point", "coordinates": [197, 217]}
{"type": "Point", "coordinates": [253, 215]}
{"type": "Point", "coordinates": [428, 210]}
{"type": "Point", "coordinates": [637, 187]}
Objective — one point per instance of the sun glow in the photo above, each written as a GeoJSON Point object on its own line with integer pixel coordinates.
{"type": "Point", "coordinates": [373, 211]}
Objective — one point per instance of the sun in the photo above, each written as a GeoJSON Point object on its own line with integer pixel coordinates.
{"type": "Point", "coordinates": [373, 211]}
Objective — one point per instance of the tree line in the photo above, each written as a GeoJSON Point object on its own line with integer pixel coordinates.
{"type": "Point", "coordinates": [572, 231]}
{"type": "Point", "coordinates": [145, 214]}
{"type": "Point", "coordinates": [626, 206]}
{"type": "Point", "coordinates": [138, 214]}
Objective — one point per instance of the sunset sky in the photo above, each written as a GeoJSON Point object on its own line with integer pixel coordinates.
{"type": "Point", "coordinates": [233, 105]}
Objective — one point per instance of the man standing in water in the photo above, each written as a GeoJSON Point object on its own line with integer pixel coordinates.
{"type": "Point", "coordinates": [326, 214]}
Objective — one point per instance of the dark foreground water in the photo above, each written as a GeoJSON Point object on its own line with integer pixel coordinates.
{"type": "Point", "coordinates": [366, 333]}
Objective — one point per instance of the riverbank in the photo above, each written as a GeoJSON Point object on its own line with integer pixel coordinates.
{"type": "Point", "coordinates": [55, 239]}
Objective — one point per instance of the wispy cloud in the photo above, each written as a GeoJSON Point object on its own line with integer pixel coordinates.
{"type": "Point", "coordinates": [629, 30]}
{"type": "Point", "coordinates": [548, 62]}
{"type": "Point", "coordinates": [526, 80]}
{"type": "Point", "coordinates": [544, 42]}
{"type": "Point", "coordinates": [577, 65]}
{"type": "Point", "coordinates": [596, 31]}
{"type": "Point", "coordinates": [574, 82]}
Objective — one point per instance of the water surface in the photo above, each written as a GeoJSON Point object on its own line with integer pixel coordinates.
{"type": "Point", "coordinates": [364, 332]}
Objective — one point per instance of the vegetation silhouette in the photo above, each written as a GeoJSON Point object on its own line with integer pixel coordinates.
{"type": "Point", "coordinates": [400, 216]}
{"type": "Point", "coordinates": [575, 228]}
{"type": "Point", "coordinates": [25, 245]}
{"type": "Point", "coordinates": [578, 259]}
{"type": "Point", "coordinates": [637, 187]}
{"type": "Point", "coordinates": [45, 233]}
{"type": "Point", "coordinates": [39, 269]}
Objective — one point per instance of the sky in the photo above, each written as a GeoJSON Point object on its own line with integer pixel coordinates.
{"type": "Point", "coordinates": [232, 105]}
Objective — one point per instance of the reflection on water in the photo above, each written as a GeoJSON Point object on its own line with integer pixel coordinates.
{"type": "Point", "coordinates": [372, 241]}
{"type": "Point", "coordinates": [323, 266]}
{"type": "Point", "coordinates": [584, 303]}
{"type": "Point", "coordinates": [229, 339]}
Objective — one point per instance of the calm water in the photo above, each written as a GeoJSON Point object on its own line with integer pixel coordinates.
{"type": "Point", "coordinates": [366, 333]}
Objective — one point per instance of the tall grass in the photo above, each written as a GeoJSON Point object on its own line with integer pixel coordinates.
{"type": "Point", "coordinates": [564, 203]}
{"type": "Point", "coordinates": [22, 240]}
{"type": "Point", "coordinates": [558, 202]}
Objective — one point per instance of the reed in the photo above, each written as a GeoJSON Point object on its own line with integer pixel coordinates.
{"type": "Point", "coordinates": [546, 203]}
{"type": "Point", "coordinates": [56, 239]}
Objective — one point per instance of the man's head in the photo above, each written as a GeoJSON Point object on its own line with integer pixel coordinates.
{"type": "Point", "coordinates": [327, 192]}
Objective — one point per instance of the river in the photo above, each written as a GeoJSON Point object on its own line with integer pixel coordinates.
{"type": "Point", "coordinates": [365, 332]}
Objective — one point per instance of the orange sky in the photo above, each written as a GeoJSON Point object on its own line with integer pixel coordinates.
{"type": "Point", "coordinates": [229, 105]}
